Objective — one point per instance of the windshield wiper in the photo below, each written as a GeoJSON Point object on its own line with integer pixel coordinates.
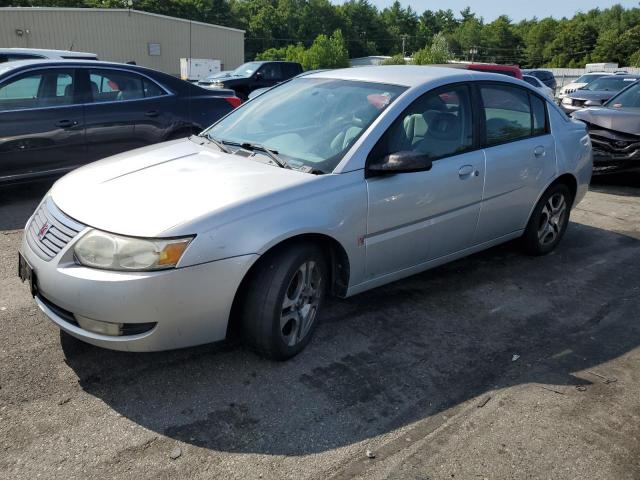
{"type": "Point", "coordinates": [218, 143]}
{"type": "Point", "coordinates": [271, 153]}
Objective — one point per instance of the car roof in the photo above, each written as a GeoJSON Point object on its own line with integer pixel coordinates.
{"type": "Point", "coordinates": [409, 75]}
{"type": "Point", "coordinates": [19, 64]}
{"type": "Point", "coordinates": [47, 52]}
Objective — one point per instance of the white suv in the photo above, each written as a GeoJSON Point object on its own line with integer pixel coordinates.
{"type": "Point", "coordinates": [582, 81]}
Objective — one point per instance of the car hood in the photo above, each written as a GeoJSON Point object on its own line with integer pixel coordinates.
{"type": "Point", "coordinates": [625, 121]}
{"type": "Point", "coordinates": [155, 190]}
{"type": "Point", "coordinates": [600, 95]}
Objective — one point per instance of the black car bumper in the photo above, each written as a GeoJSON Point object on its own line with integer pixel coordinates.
{"type": "Point", "coordinates": [614, 152]}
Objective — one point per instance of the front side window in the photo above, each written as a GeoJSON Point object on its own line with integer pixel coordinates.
{"type": "Point", "coordinates": [507, 113]}
{"type": "Point", "coordinates": [438, 124]}
{"type": "Point", "coordinates": [46, 88]}
{"type": "Point", "coordinates": [271, 71]}
{"type": "Point", "coordinates": [117, 86]}
{"type": "Point", "coordinates": [311, 122]}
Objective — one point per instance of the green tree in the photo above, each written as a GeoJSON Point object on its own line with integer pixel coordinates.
{"type": "Point", "coordinates": [437, 52]}
{"type": "Point", "coordinates": [396, 59]}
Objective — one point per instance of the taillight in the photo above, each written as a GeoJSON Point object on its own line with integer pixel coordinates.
{"type": "Point", "coordinates": [234, 101]}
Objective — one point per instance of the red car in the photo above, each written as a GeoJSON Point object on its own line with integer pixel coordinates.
{"type": "Point", "coordinates": [511, 70]}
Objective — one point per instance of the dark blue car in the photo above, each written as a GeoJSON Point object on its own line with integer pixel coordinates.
{"type": "Point", "coordinates": [56, 115]}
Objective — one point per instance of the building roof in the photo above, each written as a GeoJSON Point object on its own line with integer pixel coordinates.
{"type": "Point", "coordinates": [111, 10]}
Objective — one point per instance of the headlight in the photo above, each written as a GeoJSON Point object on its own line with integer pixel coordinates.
{"type": "Point", "coordinates": [113, 252]}
{"type": "Point", "coordinates": [567, 101]}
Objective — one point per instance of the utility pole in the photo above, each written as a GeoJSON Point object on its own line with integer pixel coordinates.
{"type": "Point", "coordinates": [404, 42]}
{"type": "Point", "coordinates": [473, 51]}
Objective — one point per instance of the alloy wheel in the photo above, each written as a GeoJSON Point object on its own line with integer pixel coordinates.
{"type": "Point", "coordinates": [552, 219]}
{"type": "Point", "coordinates": [300, 304]}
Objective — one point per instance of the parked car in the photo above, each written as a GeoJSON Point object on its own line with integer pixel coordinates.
{"type": "Point", "coordinates": [13, 54]}
{"type": "Point", "coordinates": [615, 132]}
{"type": "Point", "coordinates": [253, 75]}
{"type": "Point", "coordinates": [509, 70]}
{"type": "Point", "coordinates": [332, 183]}
{"type": "Point", "coordinates": [207, 82]}
{"type": "Point", "coordinates": [545, 76]}
{"type": "Point", "coordinates": [260, 91]}
{"type": "Point", "coordinates": [580, 82]}
{"type": "Point", "coordinates": [597, 92]}
{"type": "Point", "coordinates": [58, 115]}
{"type": "Point", "coordinates": [537, 83]}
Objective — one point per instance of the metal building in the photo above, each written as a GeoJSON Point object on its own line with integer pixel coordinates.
{"type": "Point", "coordinates": [121, 35]}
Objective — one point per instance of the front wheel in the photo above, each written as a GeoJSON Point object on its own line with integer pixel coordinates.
{"type": "Point", "coordinates": [282, 301]}
{"type": "Point", "coordinates": [549, 221]}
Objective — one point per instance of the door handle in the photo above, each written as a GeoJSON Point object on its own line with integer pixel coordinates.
{"type": "Point", "coordinates": [539, 151]}
{"type": "Point", "coordinates": [152, 113]}
{"type": "Point", "coordinates": [467, 171]}
{"type": "Point", "coordinates": [66, 123]}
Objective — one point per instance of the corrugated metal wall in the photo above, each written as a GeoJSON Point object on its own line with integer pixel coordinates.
{"type": "Point", "coordinates": [120, 35]}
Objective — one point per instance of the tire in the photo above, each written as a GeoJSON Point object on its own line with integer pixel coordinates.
{"type": "Point", "coordinates": [280, 309]}
{"type": "Point", "coordinates": [549, 220]}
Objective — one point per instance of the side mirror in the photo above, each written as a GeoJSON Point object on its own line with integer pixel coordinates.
{"type": "Point", "coordinates": [259, 75]}
{"type": "Point", "coordinates": [401, 162]}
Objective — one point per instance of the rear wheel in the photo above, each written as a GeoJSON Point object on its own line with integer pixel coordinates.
{"type": "Point", "coordinates": [282, 301]}
{"type": "Point", "coordinates": [549, 220]}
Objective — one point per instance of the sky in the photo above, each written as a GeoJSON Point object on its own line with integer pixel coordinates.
{"type": "Point", "coordinates": [515, 9]}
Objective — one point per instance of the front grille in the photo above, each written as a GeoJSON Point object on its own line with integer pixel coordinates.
{"type": "Point", "coordinates": [50, 230]}
{"type": "Point", "coordinates": [578, 103]}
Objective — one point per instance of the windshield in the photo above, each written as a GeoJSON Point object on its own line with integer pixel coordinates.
{"type": "Point", "coordinates": [246, 69]}
{"type": "Point", "coordinates": [629, 98]}
{"type": "Point", "coordinates": [311, 122]}
{"type": "Point", "coordinates": [589, 77]}
{"type": "Point", "coordinates": [609, 84]}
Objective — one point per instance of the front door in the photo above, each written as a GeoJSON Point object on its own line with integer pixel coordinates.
{"type": "Point", "coordinates": [41, 123]}
{"type": "Point", "coordinates": [416, 217]}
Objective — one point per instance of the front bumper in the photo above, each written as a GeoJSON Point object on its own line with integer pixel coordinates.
{"type": "Point", "coordinates": [189, 306]}
{"type": "Point", "coordinates": [614, 152]}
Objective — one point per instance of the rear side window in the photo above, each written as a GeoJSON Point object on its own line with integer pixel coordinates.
{"type": "Point", "coordinates": [539, 114]}
{"type": "Point", "coordinates": [290, 70]}
{"type": "Point", "coordinates": [49, 88]}
{"type": "Point", "coordinates": [511, 113]}
{"type": "Point", "coordinates": [118, 86]}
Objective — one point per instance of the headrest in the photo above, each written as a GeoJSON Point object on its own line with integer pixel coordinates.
{"type": "Point", "coordinates": [444, 126]}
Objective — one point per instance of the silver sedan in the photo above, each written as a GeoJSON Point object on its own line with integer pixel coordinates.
{"type": "Point", "coordinates": [329, 184]}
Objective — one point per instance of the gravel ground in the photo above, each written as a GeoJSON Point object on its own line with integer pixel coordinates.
{"type": "Point", "coordinates": [495, 366]}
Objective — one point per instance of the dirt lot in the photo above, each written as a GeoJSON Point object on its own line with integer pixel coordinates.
{"type": "Point", "coordinates": [496, 366]}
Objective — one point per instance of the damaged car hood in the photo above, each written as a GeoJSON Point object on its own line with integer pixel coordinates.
{"type": "Point", "coordinates": [620, 120]}
{"type": "Point", "coordinates": [597, 95]}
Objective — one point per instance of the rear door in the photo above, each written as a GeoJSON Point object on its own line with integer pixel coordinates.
{"type": "Point", "coordinates": [520, 153]}
{"type": "Point", "coordinates": [126, 110]}
{"type": "Point", "coordinates": [41, 123]}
